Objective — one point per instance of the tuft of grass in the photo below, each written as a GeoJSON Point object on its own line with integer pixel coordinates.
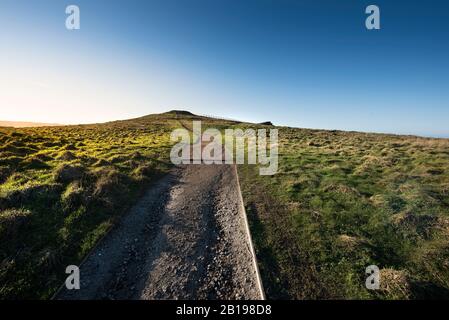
{"type": "Point", "coordinates": [66, 173]}
{"type": "Point", "coordinates": [11, 221]}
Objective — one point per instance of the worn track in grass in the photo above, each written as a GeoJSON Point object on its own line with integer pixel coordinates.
{"type": "Point", "coordinates": [185, 239]}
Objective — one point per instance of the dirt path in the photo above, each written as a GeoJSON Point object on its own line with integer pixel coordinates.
{"type": "Point", "coordinates": [185, 239]}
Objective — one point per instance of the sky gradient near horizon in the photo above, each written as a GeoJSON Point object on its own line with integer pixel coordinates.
{"type": "Point", "coordinates": [298, 63]}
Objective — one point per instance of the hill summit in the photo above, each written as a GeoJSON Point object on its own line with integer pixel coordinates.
{"type": "Point", "coordinates": [180, 113]}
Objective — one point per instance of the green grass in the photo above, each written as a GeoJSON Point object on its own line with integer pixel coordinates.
{"type": "Point", "coordinates": [62, 188]}
{"type": "Point", "coordinates": [342, 201]}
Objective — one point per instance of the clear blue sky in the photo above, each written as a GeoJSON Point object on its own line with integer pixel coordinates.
{"type": "Point", "coordinates": [297, 63]}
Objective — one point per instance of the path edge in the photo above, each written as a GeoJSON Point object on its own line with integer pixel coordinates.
{"type": "Point", "coordinates": [250, 240]}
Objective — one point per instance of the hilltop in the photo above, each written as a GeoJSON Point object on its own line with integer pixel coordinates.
{"type": "Point", "coordinates": [180, 113]}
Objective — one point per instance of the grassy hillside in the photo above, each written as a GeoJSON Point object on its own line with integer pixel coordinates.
{"type": "Point", "coordinates": [342, 201]}
{"type": "Point", "coordinates": [62, 188]}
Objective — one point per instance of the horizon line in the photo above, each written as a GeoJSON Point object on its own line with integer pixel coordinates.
{"type": "Point", "coordinates": [30, 124]}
